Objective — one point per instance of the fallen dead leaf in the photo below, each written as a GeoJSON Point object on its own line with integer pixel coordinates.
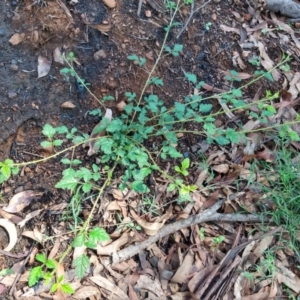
{"type": "Point", "coordinates": [146, 283]}
{"type": "Point", "coordinates": [183, 271]}
{"type": "Point", "coordinates": [44, 66]}
{"type": "Point", "coordinates": [68, 104]}
{"type": "Point", "coordinates": [29, 217]}
{"type": "Point", "coordinates": [110, 3]}
{"type": "Point", "coordinates": [13, 218]}
{"type": "Point", "coordinates": [19, 201]}
{"type": "Point", "coordinates": [106, 284]}
{"type": "Point", "coordinates": [222, 168]}
{"type": "Point", "coordinates": [86, 292]}
{"type": "Point", "coordinates": [11, 231]}
{"type": "Point", "coordinates": [57, 56]}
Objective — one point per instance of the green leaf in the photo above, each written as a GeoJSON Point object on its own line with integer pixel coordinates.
{"type": "Point", "coordinates": [48, 276]}
{"type": "Point", "coordinates": [86, 187]}
{"type": "Point", "coordinates": [185, 164]}
{"type": "Point", "coordinates": [171, 187]}
{"type": "Point", "coordinates": [67, 183]}
{"type": "Point", "coordinates": [35, 275]}
{"type": "Point", "coordinates": [205, 108]}
{"type": "Point", "coordinates": [178, 47]}
{"type": "Point", "coordinates": [191, 77]}
{"type": "Point", "coordinates": [114, 125]}
{"type": "Point", "coordinates": [67, 289]}
{"type": "Point", "coordinates": [157, 81]}
{"type": "Point", "coordinates": [269, 76]}
{"type": "Point", "coordinates": [50, 264]}
{"type": "Point", "coordinates": [177, 169]}
{"type": "Point", "coordinates": [46, 144]}
{"type": "Point", "coordinates": [54, 287]}
{"type": "Point", "coordinates": [99, 234]}
{"type": "Point", "coordinates": [81, 264]}
{"type": "Point", "coordinates": [294, 135]}
{"type": "Point", "coordinates": [139, 186]}
{"type": "Point", "coordinates": [232, 135]}
{"type": "Point", "coordinates": [221, 140]}
{"type": "Point", "coordinates": [133, 57]}
{"type": "Point", "coordinates": [6, 272]}
{"type": "Point", "coordinates": [237, 93]}
{"type": "Point", "coordinates": [57, 143]}
{"type": "Point", "coordinates": [65, 161]}
{"type": "Point", "coordinates": [210, 128]}
{"type": "Point", "coordinates": [171, 151]}
{"type": "Point", "coordinates": [48, 131]}
{"type": "Point", "coordinates": [41, 257]}
{"type": "Point", "coordinates": [61, 129]}
{"type": "Point", "coordinates": [106, 145]}
{"type": "Point", "coordinates": [79, 240]}
{"type": "Point", "coordinates": [96, 112]}
{"type": "Point", "coordinates": [130, 96]}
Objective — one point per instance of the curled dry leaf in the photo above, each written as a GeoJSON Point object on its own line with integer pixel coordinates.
{"type": "Point", "coordinates": [110, 3]}
{"type": "Point", "coordinates": [19, 201]}
{"type": "Point", "coordinates": [98, 132]}
{"type": "Point", "coordinates": [44, 66]}
{"type": "Point", "coordinates": [57, 56]}
{"type": "Point", "coordinates": [100, 27]}
{"type": "Point", "coordinates": [29, 217]}
{"type": "Point", "coordinates": [11, 231]}
{"type": "Point", "coordinates": [86, 292]}
{"type": "Point", "coordinates": [15, 219]}
{"type": "Point", "coordinates": [68, 104]}
{"type": "Point", "coordinates": [117, 293]}
{"type": "Point", "coordinates": [222, 168]}
{"type": "Point", "coordinates": [17, 38]}
{"type": "Point", "coordinates": [34, 235]}
{"type": "Point", "coordinates": [149, 228]}
{"type": "Point", "coordinates": [183, 271]}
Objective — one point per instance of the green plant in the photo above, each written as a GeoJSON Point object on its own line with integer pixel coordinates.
{"type": "Point", "coordinates": [185, 164]}
{"type": "Point", "coordinates": [46, 272]}
{"type": "Point", "coordinates": [255, 60]}
{"type": "Point", "coordinates": [207, 26]}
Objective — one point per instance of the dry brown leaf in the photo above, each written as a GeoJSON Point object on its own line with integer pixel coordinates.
{"type": "Point", "coordinates": [117, 194]}
{"type": "Point", "coordinates": [29, 217]}
{"type": "Point", "coordinates": [19, 201]}
{"type": "Point", "coordinates": [183, 271]}
{"type": "Point", "coordinates": [17, 38]}
{"type": "Point", "coordinates": [257, 296]}
{"type": "Point", "coordinates": [222, 168]}
{"type": "Point", "coordinates": [239, 75]}
{"type": "Point", "coordinates": [68, 104]}
{"type": "Point", "coordinates": [13, 218]}
{"type": "Point", "coordinates": [116, 292]}
{"type": "Point", "coordinates": [11, 231]}
{"type": "Point", "coordinates": [110, 3]}
{"type": "Point", "coordinates": [57, 56]}
{"type": "Point", "coordinates": [262, 246]}
{"type": "Point", "coordinates": [230, 29]}
{"type": "Point", "coordinates": [86, 292]}
{"type": "Point", "coordinates": [146, 283]}
{"type": "Point", "coordinates": [113, 206]}
{"type": "Point", "coordinates": [149, 228]}
{"type": "Point", "coordinates": [98, 131]}
{"type": "Point", "coordinates": [44, 66]}
{"type": "Point", "coordinates": [116, 245]}
{"type": "Point", "coordinates": [35, 235]}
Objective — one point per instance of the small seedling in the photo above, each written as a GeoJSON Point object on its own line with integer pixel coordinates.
{"type": "Point", "coordinates": [207, 26]}
{"type": "Point", "coordinates": [185, 164]}
{"type": "Point", "coordinates": [255, 60]}
{"type": "Point", "coordinates": [176, 49]}
{"type": "Point", "coordinates": [139, 60]}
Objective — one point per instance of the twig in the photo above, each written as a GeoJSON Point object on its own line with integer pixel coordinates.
{"type": "Point", "coordinates": [190, 17]}
{"type": "Point", "coordinates": [139, 7]}
{"type": "Point", "coordinates": [206, 216]}
{"type": "Point", "coordinates": [17, 277]}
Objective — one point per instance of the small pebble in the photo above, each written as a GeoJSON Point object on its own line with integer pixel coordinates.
{"type": "Point", "coordinates": [14, 67]}
{"type": "Point", "coordinates": [99, 54]}
{"type": "Point", "coordinates": [148, 13]}
{"type": "Point", "coordinates": [12, 95]}
{"type": "Point", "coordinates": [13, 62]}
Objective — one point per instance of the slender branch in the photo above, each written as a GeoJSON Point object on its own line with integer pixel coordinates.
{"type": "Point", "coordinates": [208, 215]}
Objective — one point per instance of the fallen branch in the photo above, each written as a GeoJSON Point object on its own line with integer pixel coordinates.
{"type": "Point", "coordinates": [288, 8]}
{"type": "Point", "coordinates": [209, 215]}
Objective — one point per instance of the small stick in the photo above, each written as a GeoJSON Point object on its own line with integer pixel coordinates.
{"type": "Point", "coordinates": [190, 17]}
{"type": "Point", "coordinates": [208, 215]}
{"type": "Point", "coordinates": [139, 7]}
